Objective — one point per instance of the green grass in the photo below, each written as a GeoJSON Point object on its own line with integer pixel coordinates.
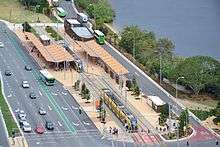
{"type": "Point", "coordinates": [10, 122]}
{"type": "Point", "coordinates": [53, 33]}
{"type": "Point", "coordinates": [13, 11]}
{"type": "Point", "coordinates": [202, 114]}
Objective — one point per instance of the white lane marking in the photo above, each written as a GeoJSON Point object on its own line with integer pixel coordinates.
{"type": "Point", "coordinates": [40, 93]}
{"type": "Point", "coordinates": [64, 108]}
{"type": "Point", "coordinates": [10, 95]}
{"type": "Point", "coordinates": [75, 124]}
{"type": "Point", "coordinates": [137, 74]}
{"type": "Point", "coordinates": [86, 123]}
{"type": "Point", "coordinates": [75, 108]}
{"type": "Point", "coordinates": [38, 142]}
{"type": "Point", "coordinates": [49, 108]}
{"type": "Point", "coordinates": [59, 124]}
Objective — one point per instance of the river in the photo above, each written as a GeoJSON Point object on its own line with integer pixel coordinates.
{"type": "Point", "coordinates": [194, 25]}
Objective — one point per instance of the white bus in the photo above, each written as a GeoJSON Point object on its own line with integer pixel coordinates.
{"type": "Point", "coordinates": [47, 77]}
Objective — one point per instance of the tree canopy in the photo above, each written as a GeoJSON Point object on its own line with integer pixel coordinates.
{"type": "Point", "coordinates": [199, 72]}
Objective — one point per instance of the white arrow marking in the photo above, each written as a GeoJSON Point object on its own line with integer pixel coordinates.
{"type": "Point", "coordinates": [54, 93]}
{"type": "Point", "coordinates": [49, 108]}
{"type": "Point", "coordinates": [86, 123]}
{"type": "Point", "coordinates": [10, 95]}
{"type": "Point", "coordinates": [17, 110]}
{"type": "Point", "coordinates": [64, 93]}
{"type": "Point", "coordinates": [40, 93]}
{"type": "Point", "coordinates": [64, 108]}
{"type": "Point", "coordinates": [76, 108]}
{"type": "Point", "coordinates": [59, 124]}
{"type": "Point", "coordinates": [75, 124]}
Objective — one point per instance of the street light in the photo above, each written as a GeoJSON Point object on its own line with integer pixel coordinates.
{"type": "Point", "coordinates": [176, 83]}
{"type": "Point", "coordinates": [160, 56]}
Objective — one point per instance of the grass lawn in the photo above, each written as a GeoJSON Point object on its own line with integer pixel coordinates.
{"type": "Point", "coordinates": [53, 33]}
{"type": "Point", "coordinates": [18, 13]}
{"type": "Point", "coordinates": [10, 122]}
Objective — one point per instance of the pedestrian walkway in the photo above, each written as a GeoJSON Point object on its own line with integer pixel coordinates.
{"type": "Point", "coordinates": [18, 142]}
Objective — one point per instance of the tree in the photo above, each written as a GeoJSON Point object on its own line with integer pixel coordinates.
{"type": "Point", "coordinates": [199, 71]}
{"type": "Point", "coordinates": [183, 122]}
{"type": "Point", "coordinates": [164, 113]}
{"type": "Point", "coordinates": [134, 87]}
{"type": "Point", "coordinates": [87, 95]}
{"type": "Point", "coordinates": [76, 85]}
{"type": "Point", "coordinates": [165, 46]}
{"type": "Point", "coordinates": [26, 27]}
{"type": "Point", "coordinates": [83, 90]}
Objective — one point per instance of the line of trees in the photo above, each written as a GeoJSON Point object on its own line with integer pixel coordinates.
{"type": "Point", "coordinates": [100, 10]}
{"type": "Point", "coordinates": [40, 6]}
{"type": "Point", "coordinates": [202, 73]}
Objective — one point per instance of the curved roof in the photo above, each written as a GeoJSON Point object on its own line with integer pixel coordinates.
{"type": "Point", "coordinates": [82, 32]}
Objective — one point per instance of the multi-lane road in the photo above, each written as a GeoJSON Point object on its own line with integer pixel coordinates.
{"type": "Point", "coordinates": [71, 128]}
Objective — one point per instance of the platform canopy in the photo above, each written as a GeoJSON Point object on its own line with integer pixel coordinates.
{"type": "Point", "coordinates": [111, 62]}
{"type": "Point", "coordinates": [51, 53]}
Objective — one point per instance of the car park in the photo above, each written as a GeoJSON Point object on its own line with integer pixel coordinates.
{"type": "Point", "coordinates": [8, 73]}
{"type": "Point", "coordinates": [32, 95]}
{"type": "Point", "coordinates": [42, 111]}
{"type": "Point", "coordinates": [26, 127]}
{"type": "Point", "coordinates": [49, 125]}
{"type": "Point", "coordinates": [21, 114]}
{"type": "Point", "coordinates": [28, 68]}
{"type": "Point", "coordinates": [25, 84]}
{"type": "Point", "coordinates": [39, 129]}
{"type": "Point", "coordinates": [1, 45]}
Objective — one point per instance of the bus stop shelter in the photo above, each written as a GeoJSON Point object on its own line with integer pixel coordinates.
{"type": "Point", "coordinates": [53, 53]}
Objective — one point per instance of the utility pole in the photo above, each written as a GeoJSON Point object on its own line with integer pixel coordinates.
{"type": "Point", "coordinates": [160, 67]}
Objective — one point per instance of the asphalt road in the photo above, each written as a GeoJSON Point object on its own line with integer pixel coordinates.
{"type": "Point", "coordinates": [3, 133]}
{"type": "Point", "coordinates": [67, 6]}
{"type": "Point", "coordinates": [71, 128]}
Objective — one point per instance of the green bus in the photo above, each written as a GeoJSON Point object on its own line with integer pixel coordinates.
{"type": "Point", "coordinates": [61, 12]}
{"type": "Point", "coordinates": [100, 37]}
{"type": "Point", "coordinates": [47, 78]}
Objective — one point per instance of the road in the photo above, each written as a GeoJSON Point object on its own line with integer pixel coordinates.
{"type": "Point", "coordinates": [67, 5]}
{"type": "Point", "coordinates": [3, 133]}
{"type": "Point", "coordinates": [71, 128]}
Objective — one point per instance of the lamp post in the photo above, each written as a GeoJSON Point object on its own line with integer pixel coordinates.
{"type": "Point", "coordinates": [176, 83]}
{"type": "Point", "coordinates": [160, 58]}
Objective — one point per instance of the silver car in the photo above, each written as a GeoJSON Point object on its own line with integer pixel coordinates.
{"type": "Point", "coordinates": [25, 84]}
{"type": "Point", "coordinates": [26, 127]}
{"type": "Point", "coordinates": [21, 114]}
{"type": "Point", "coordinates": [42, 111]}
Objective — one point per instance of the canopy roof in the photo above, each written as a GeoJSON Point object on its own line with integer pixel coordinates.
{"type": "Point", "coordinates": [92, 46]}
{"type": "Point", "coordinates": [51, 53]}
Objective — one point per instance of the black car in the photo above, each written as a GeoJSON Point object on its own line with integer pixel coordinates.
{"type": "Point", "coordinates": [28, 68]}
{"type": "Point", "coordinates": [8, 73]}
{"type": "Point", "coordinates": [32, 95]}
{"type": "Point", "coordinates": [49, 125]}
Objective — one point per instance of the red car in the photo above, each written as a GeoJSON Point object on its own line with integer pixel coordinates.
{"type": "Point", "coordinates": [39, 129]}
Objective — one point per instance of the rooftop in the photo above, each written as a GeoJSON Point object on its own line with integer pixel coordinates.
{"type": "Point", "coordinates": [82, 32]}
{"type": "Point", "coordinates": [156, 100]}
{"type": "Point", "coordinates": [51, 53]}
{"type": "Point", "coordinates": [73, 21]}
{"type": "Point", "coordinates": [44, 37]}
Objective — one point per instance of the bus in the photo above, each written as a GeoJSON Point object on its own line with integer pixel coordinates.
{"type": "Point", "coordinates": [55, 3]}
{"type": "Point", "coordinates": [47, 78]}
{"type": "Point", "coordinates": [100, 37]}
{"type": "Point", "coordinates": [61, 12]}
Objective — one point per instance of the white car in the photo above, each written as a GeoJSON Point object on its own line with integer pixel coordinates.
{"type": "Point", "coordinates": [21, 114]}
{"type": "Point", "coordinates": [42, 111]}
{"type": "Point", "coordinates": [1, 44]}
{"type": "Point", "coordinates": [25, 84]}
{"type": "Point", "coordinates": [26, 127]}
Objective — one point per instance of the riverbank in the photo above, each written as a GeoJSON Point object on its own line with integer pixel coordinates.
{"type": "Point", "coordinates": [194, 33]}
